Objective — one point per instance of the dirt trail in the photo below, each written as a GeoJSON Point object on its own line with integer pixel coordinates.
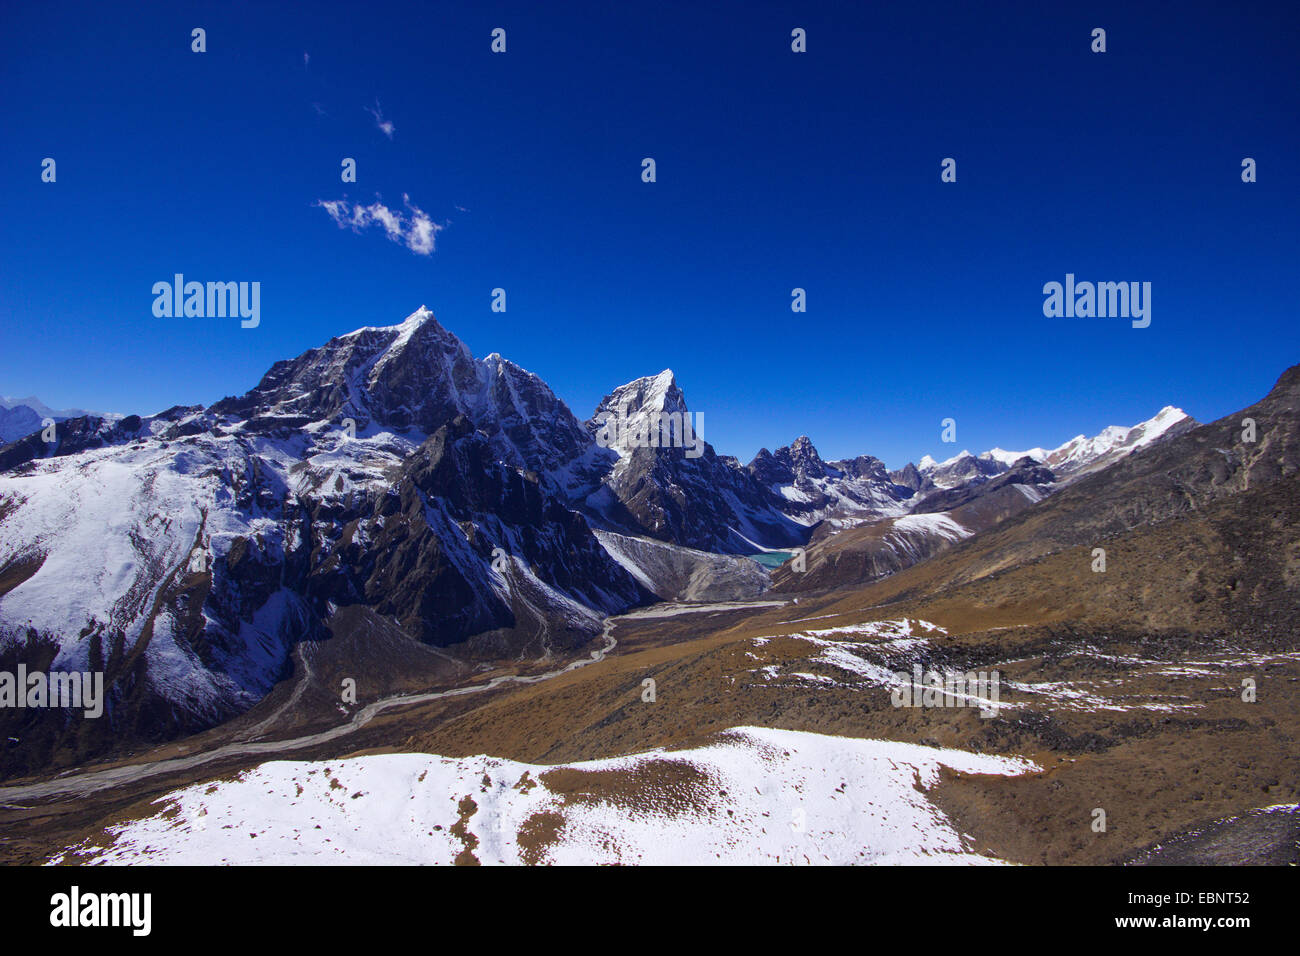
{"type": "Point", "coordinates": [95, 780]}
{"type": "Point", "coordinates": [260, 730]}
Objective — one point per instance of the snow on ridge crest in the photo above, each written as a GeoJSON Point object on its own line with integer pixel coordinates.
{"type": "Point", "coordinates": [416, 319]}
{"type": "Point", "coordinates": [1081, 451]}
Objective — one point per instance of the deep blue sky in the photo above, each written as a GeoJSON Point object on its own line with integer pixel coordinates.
{"type": "Point", "coordinates": [775, 170]}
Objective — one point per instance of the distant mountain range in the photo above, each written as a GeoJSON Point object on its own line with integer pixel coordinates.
{"type": "Point", "coordinates": [1073, 459]}
{"type": "Point", "coordinates": [22, 416]}
{"type": "Point", "coordinates": [390, 478]}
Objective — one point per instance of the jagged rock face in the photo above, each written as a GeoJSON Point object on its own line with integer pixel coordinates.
{"type": "Point", "coordinates": [864, 466]}
{"type": "Point", "coordinates": [680, 491]}
{"type": "Point", "coordinates": [804, 459]}
{"type": "Point", "coordinates": [957, 470]}
{"type": "Point", "coordinates": [424, 553]}
{"type": "Point", "coordinates": [809, 490]}
{"type": "Point", "coordinates": [770, 470]}
{"type": "Point", "coordinates": [791, 464]}
{"type": "Point", "coordinates": [533, 429]}
{"type": "Point", "coordinates": [908, 477]}
{"type": "Point", "coordinates": [637, 403]}
{"type": "Point", "coordinates": [71, 436]}
{"type": "Point", "coordinates": [414, 378]}
{"type": "Point", "coordinates": [694, 502]}
{"type": "Point", "coordinates": [330, 383]}
{"type": "Point", "coordinates": [796, 478]}
{"type": "Point", "coordinates": [193, 548]}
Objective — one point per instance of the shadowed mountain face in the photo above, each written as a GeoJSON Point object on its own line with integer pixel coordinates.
{"type": "Point", "coordinates": [424, 553]}
{"type": "Point", "coordinates": [18, 421]}
{"type": "Point", "coordinates": [958, 470]}
{"type": "Point", "coordinates": [1031, 476]}
{"type": "Point", "coordinates": [797, 461]}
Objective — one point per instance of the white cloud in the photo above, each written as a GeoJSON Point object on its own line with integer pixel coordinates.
{"type": "Point", "coordinates": [415, 230]}
{"type": "Point", "coordinates": [420, 238]}
{"type": "Point", "coordinates": [381, 124]}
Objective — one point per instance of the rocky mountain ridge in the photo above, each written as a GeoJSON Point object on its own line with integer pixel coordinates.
{"type": "Point", "coordinates": [389, 475]}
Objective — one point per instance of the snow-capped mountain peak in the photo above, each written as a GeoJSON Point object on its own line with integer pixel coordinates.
{"type": "Point", "coordinates": [804, 454]}
{"type": "Point", "coordinates": [1009, 458]}
{"type": "Point", "coordinates": [386, 471]}
{"type": "Point", "coordinates": [1082, 455]}
{"type": "Point", "coordinates": [1078, 456]}
{"type": "Point", "coordinates": [413, 321]}
{"type": "Point", "coordinates": [650, 394]}
{"type": "Point", "coordinates": [639, 409]}
{"type": "Point", "coordinates": [813, 490]}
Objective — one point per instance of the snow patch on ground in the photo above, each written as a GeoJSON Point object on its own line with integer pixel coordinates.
{"type": "Point", "coordinates": [756, 796]}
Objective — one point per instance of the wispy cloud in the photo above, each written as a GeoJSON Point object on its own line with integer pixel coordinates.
{"type": "Point", "coordinates": [415, 230]}
{"type": "Point", "coordinates": [381, 124]}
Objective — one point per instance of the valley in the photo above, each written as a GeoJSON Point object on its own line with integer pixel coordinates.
{"type": "Point", "coordinates": [464, 630]}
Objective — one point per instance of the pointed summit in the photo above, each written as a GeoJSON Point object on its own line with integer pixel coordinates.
{"type": "Point", "coordinates": [412, 378]}
{"type": "Point", "coordinates": [649, 395]}
{"type": "Point", "coordinates": [419, 317]}
{"type": "Point", "coordinates": [789, 464]}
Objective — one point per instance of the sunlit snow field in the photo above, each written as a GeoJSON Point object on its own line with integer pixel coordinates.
{"type": "Point", "coordinates": [756, 796]}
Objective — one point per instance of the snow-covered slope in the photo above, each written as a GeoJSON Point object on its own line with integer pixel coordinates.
{"type": "Point", "coordinates": [756, 796]}
{"type": "Point", "coordinates": [183, 554]}
{"type": "Point", "coordinates": [1080, 455]}
{"type": "Point", "coordinates": [108, 536]}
